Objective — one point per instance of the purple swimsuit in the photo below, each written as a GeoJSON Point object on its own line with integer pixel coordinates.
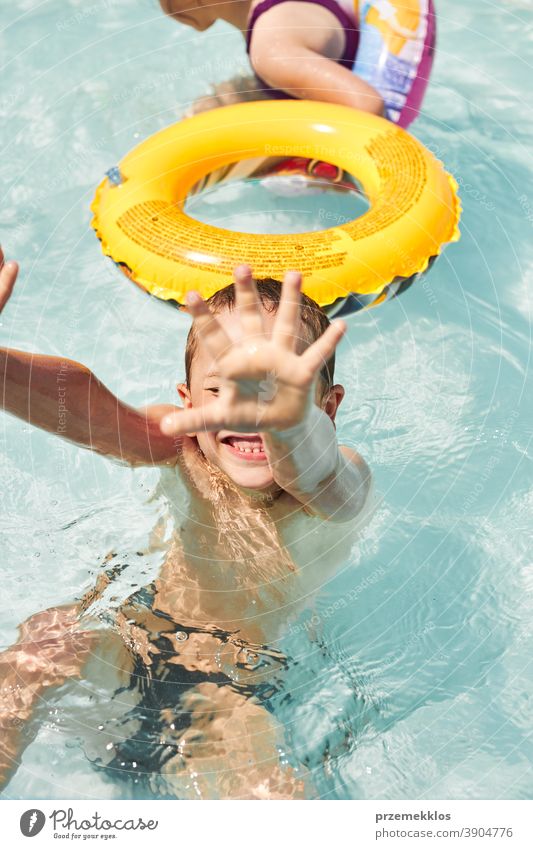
{"type": "Point", "coordinates": [352, 36]}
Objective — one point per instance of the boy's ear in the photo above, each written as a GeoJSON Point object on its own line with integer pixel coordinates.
{"type": "Point", "coordinates": [332, 400]}
{"type": "Point", "coordinates": [185, 395]}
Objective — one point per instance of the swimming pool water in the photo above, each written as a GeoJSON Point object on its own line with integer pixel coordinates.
{"type": "Point", "coordinates": [421, 684]}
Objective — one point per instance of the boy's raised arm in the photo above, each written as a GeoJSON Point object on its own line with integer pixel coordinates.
{"type": "Point", "coordinates": [332, 481]}
{"type": "Point", "coordinates": [64, 397]}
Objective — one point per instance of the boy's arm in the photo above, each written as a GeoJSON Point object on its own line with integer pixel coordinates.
{"type": "Point", "coordinates": [64, 397]}
{"type": "Point", "coordinates": [50, 649]}
{"type": "Point", "coordinates": [303, 61]}
{"type": "Point", "coordinates": [306, 460]}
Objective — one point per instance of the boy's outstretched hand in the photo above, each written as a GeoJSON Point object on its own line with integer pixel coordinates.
{"type": "Point", "coordinates": [8, 276]}
{"type": "Point", "coordinates": [265, 384]}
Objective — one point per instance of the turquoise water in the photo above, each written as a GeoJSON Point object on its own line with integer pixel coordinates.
{"type": "Point", "coordinates": [421, 685]}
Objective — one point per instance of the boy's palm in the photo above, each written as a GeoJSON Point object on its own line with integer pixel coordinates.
{"type": "Point", "coordinates": [264, 384]}
{"type": "Point", "coordinates": [261, 384]}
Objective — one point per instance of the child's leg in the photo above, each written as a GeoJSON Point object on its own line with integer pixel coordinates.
{"type": "Point", "coordinates": [51, 648]}
{"type": "Point", "coordinates": [231, 749]}
{"type": "Point", "coordinates": [193, 733]}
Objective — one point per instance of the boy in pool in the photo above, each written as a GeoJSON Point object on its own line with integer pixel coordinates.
{"type": "Point", "coordinates": [268, 505]}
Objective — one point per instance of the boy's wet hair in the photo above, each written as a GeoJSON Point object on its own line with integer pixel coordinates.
{"type": "Point", "coordinates": [314, 322]}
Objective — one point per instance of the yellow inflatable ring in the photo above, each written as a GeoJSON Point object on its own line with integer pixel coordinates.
{"type": "Point", "coordinates": [414, 208]}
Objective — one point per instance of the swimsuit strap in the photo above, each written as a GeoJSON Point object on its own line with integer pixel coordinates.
{"type": "Point", "coordinates": [351, 34]}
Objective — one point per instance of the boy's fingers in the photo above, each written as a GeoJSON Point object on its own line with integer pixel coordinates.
{"type": "Point", "coordinates": [247, 301]}
{"type": "Point", "coordinates": [286, 324]}
{"type": "Point", "coordinates": [8, 276]}
{"type": "Point", "coordinates": [191, 421]}
{"type": "Point", "coordinates": [320, 351]}
{"type": "Point", "coordinates": [209, 328]}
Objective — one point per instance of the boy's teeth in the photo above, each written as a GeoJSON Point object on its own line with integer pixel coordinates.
{"type": "Point", "coordinates": [244, 446]}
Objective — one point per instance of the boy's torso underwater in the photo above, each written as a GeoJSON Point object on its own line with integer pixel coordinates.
{"type": "Point", "coordinates": [187, 668]}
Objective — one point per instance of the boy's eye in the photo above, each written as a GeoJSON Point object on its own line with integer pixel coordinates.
{"type": "Point", "coordinates": [212, 389]}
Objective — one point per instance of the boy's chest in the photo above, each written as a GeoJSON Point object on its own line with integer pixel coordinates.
{"type": "Point", "coordinates": [247, 568]}
{"type": "Point", "coordinates": [225, 538]}
{"type": "Point", "coordinates": [280, 555]}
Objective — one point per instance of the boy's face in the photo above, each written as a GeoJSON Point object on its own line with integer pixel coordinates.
{"type": "Point", "coordinates": [224, 448]}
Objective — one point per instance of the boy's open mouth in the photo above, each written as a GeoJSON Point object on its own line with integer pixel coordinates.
{"type": "Point", "coordinates": [245, 446]}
